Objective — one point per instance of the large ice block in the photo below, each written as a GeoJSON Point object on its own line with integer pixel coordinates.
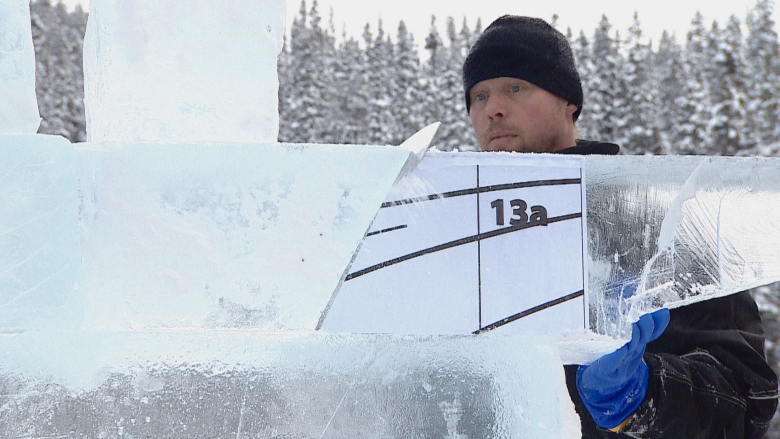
{"type": "Point", "coordinates": [221, 234]}
{"type": "Point", "coordinates": [243, 384]}
{"type": "Point", "coordinates": [18, 104]}
{"type": "Point", "coordinates": [670, 231]}
{"type": "Point", "coordinates": [39, 235]}
{"type": "Point", "coordinates": [199, 70]}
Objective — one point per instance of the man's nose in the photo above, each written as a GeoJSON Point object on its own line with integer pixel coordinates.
{"type": "Point", "coordinates": [496, 107]}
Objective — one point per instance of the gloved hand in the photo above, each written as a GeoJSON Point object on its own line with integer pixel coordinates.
{"type": "Point", "coordinates": [614, 386]}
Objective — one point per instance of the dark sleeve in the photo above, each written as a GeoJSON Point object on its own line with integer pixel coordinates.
{"type": "Point", "coordinates": [709, 377]}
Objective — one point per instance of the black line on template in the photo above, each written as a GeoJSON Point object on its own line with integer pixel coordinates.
{"type": "Point", "coordinates": [479, 257]}
{"type": "Point", "coordinates": [583, 249]}
{"type": "Point", "coordinates": [478, 190]}
{"type": "Point", "coordinates": [387, 230]}
{"type": "Point", "coordinates": [458, 242]}
{"type": "Point", "coordinates": [533, 310]}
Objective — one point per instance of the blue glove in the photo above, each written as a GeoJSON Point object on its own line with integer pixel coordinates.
{"type": "Point", "coordinates": [614, 386]}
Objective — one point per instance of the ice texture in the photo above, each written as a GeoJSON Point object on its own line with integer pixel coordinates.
{"type": "Point", "coordinates": [669, 231]}
{"type": "Point", "coordinates": [39, 241]}
{"type": "Point", "coordinates": [222, 234]}
{"type": "Point", "coordinates": [18, 104]}
{"type": "Point", "coordinates": [196, 70]}
{"type": "Point", "coordinates": [210, 384]}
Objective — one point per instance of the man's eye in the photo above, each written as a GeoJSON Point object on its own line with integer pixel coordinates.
{"type": "Point", "coordinates": [480, 97]}
{"type": "Point", "coordinates": [515, 88]}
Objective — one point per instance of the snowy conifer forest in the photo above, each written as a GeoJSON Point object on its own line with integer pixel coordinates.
{"type": "Point", "coordinates": [713, 91]}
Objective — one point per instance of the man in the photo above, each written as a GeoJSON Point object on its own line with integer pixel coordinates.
{"type": "Point", "coordinates": [696, 372]}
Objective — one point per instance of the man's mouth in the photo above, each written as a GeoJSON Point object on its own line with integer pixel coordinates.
{"type": "Point", "coordinates": [500, 135]}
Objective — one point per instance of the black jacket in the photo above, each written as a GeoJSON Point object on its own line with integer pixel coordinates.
{"type": "Point", "coordinates": [709, 377]}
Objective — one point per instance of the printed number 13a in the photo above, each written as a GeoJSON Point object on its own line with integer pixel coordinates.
{"type": "Point", "coordinates": [519, 213]}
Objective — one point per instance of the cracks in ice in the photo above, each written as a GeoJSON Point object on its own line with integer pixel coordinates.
{"type": "Point", "coordinates": [241, 412]}
{"type": "Point", "coordinates": [666, 236]}
{"type": "Point", "coordinates": [36, 286]}
{"type": "Point", "coordinates": [65, 201]}
{"type": "Point", "coordinates": [21, 263]}
{"type": "Point", "coordinates": [3, 177]}
{"type": "Point", "coordinates": [338, 407]}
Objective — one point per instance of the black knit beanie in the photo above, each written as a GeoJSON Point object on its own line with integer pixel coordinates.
{"type": "Point", "coordinates": [524, 48]}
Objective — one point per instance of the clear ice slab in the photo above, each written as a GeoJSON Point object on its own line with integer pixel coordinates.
{"type": "Point", "coordinates": [668, 231]}
{"type": "Point", "coordinates": [222, 234]}
{"type": "Point", "coordinates": [39, 241]}
{"type": "Point", "coordinates": [183, 71]}
{"type": "Point", "coordinates": [236, 383]}
{"type": "Point", "coordinates": [18, 104]}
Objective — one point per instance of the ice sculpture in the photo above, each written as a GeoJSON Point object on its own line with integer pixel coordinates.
{"type": "Point", "coordinates": [198, 70]}
{"type": "Point", "coordinates": [241, 384]}
{"type": "Point", "coordinates": [223, 235]}
{"type": "Point", "coordinates": [201, 239]}
{"type": "Point", "coordinates": [192, 243]}
{"type": "Point", "coordinates": [18, 104]}
{"type": "Point", "coordinates": [39, 241]}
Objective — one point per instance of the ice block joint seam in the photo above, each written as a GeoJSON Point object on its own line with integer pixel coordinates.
{"type": "Point", "coordinates": [530, 311]}
{"type": "Point", "coordinates": [480, 190]}
{"type": "Point", "coordinates": [462, 241]}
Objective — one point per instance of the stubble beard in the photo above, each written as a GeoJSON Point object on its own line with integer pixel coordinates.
{"type": "Point", "coordinates": [550, 141]}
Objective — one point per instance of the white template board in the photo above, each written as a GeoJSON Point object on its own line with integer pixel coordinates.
{"type": "Point", "coordinates": [470, 243]}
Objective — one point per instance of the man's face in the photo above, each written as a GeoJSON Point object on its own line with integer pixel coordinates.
{"type": "Point", "coordinates": [510, 114]}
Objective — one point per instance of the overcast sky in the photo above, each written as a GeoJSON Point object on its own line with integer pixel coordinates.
{"type": "Point", "coordinates": [654, 16]}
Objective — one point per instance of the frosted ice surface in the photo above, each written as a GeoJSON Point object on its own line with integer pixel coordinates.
{"type": "Point", "coordinates": [253, 384]}
{"type": "Point", "coordinates": [223, 235]}
{"type": "Point", "coordinates": [670, 231]}
{"type": "Point", "coordinates": [183, 71]}
{"type": "Point", "coordinates": [39, 241]}
{"type": "Point", "coordinates": [18, 104]}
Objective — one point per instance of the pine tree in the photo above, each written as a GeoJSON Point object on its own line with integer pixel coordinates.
{"type": "Point", "coordinates": [455, 122]}
{"type": "Point", "coordinates": [58, 39]}
{"type": "Point", "coordinates": [310, 73]}
{"type": "Point", "coordinates": [467, 38]}
{"type": "Point", "coordinates": [586, 69]}
{"type": "Point", "coordinates": [406, 91]}
{"type": "Point", "coordinates": [382, 128]}
{"type": "Point", "coordinates": [695, 100]}
{"type": "Point", "coordinates": [477, 29]}
{"type": "Point", "coordinates": [325, 43]}
{"type": "Point", "coordinates": [763, 61]}
{"type": "Point", "coordinates": [671, 74]}
{"type": "Point", "coordinates": [432, 82]}
{"type": "Point", "coordinates": [289, 126]}
{"type": "Point", "coordinates": [728, 115]}
{"type": "Point", "coordinates": [283, 66]}
{"type": "Point", "coordinates": [350, 113]}
{"type": "Point", "coordinates": [607, 89]}
{"type": "Point", "coordinates": [641, 109]}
